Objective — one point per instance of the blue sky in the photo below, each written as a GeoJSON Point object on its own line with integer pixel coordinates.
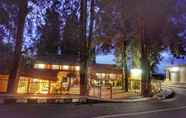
{"type": "Point", "coordinates": [167, 59]}
{"type": "Point", "coordinates": [105, 59]}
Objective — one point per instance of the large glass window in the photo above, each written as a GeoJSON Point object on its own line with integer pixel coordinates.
{"type": "Point", "coordinates": [23, 85]}
{"type": "Point", "coordinates": [39, 86]}
{"type": "Point", "coordinates": [55, 67]}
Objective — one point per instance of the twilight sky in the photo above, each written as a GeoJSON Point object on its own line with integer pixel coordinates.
{"type": "Point", "coordinates": [105, 59]}
{"type": "Point", "coordinates": [167, 59]}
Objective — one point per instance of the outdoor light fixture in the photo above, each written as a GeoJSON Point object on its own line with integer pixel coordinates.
{"type": "Point", "coordinates": [174, 69]}
{"type": "Point", "coordinates": [65, 67]}
{"type": "Point", "coordinates": [136, 73]}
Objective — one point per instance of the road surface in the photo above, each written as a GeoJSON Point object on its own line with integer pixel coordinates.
{"type": "Point", "coordinates": [174, 108]}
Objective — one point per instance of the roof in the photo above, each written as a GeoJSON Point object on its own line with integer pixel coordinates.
{"type": "Point", "coordinates": [74, 60]}
{"type": "Point", "coordinates": [105, 68]}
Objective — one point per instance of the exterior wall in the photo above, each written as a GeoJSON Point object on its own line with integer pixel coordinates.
{"type": "Point", "coordinates": [178, 76]}
{"type": "Point", "coordinates": [183, 75]}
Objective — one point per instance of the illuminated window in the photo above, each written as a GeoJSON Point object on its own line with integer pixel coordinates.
{"type": "Point", "coordinates": [77, 68]}
{"type": "Point", "coordinates": [39, 86]}
{"type": "Point", "coordinates": [23, 85]}
{"type": "Point", "coordinates": [103, 75]}
{"type": "Point", "coordinates": [48, 66]}
{"type": "Point", "coordinates": [112, 76]}
{"type": "Point", "coordinates": [55, 67]}
{"type": "Point", "coordinates": [99, 75]}
{"type": "Point", "coordinates": [66, 67]}
{"type": "Point", "coordinates": [39, 66]}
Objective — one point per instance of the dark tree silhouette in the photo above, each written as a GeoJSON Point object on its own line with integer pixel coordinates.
{"type": "Point", "coordinates": [49, 42]}
{"type": "Point", "coordinates": [71, 36]}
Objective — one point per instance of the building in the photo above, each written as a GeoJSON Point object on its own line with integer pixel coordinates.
{"type": "Point", "coordinates": [176, 74]}
{"type": "Point", "coordinates": [60, 76]}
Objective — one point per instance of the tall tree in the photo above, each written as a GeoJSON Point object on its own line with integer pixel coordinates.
{"type": "Point", "coordinates": [14, 73]}
{"type": "Point", "coordinates": [91, 46]}
{"type": "Point", "coordinates": [118, 26]}
{"type": "Point", "coordinates": [84, 50]}
{"type": "Point", "coordinates": [151, 28]}
{"type": "Point", "coordinates": [155, 32]}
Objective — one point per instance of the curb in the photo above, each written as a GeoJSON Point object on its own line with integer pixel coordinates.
{"type": "Point", "coordinates": [68, 100]}
{"type": "Point", "coordinates": [133, 100]}
{"type": "Point", "coordinates": [38, 101]}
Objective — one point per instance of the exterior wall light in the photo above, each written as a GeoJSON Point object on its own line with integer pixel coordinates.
{"type": "Point", "coordinates": [39, 66]}
{"type": "Point", "coordinates": [136, 73]}
{"type": "Point", "coordinates": [174, 69]}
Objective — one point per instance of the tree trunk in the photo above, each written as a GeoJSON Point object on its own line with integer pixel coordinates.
{"type": "Point", "coordinates": [69, 83]}
{"type": "Point", "coordinates": [124, 67]}
{"type": "Point", "coordinates": [83, 50]}
{"type": "Point", "coordinates": [15, 70]}
{"type": "Point", "coordinates": [145, 83]}
{"type": "Point", "coordinates": [93, 55]}
{"type": "Point", "coordinates": [90, 37]}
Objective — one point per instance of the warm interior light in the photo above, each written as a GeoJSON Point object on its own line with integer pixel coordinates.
{"type": "Point", "coordinates": [77, 68]}
{"type": "Point", "coordinates": [174, 69]}
{"type": "Point", "coordinates": [112, 76]}
{"type": "Point", "coordinates": [103, 75]}
{"type": "Point", "coordinates": [55, 67]}
{"type": "Point", "coordinates": [98, 75]}
{"type": "Point", "coordinates": [65, 67]}
{"type": "Point", "coordinates": [39, 66]}
{"type": "Point", "coordinates": [35, 80]}
{"type": "Point", "coordinates": [136, 73]}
